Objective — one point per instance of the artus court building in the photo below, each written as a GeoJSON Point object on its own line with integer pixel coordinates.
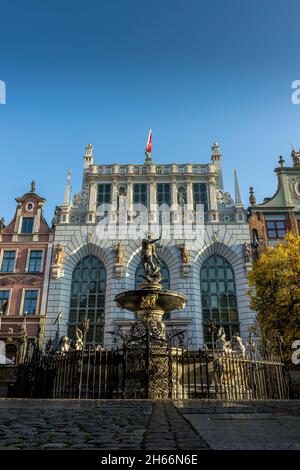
{"type": "Point", "coordinates": [203, 250]}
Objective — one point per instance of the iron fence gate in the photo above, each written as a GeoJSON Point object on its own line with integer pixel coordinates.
{"type": "Point", "coordinates": [106, 373]}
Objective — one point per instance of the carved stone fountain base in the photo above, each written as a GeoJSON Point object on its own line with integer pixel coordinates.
{"type": "Point", "coordinates": [147, 352]}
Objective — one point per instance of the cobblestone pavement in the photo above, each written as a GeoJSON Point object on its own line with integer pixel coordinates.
{"type": "Point", "coordinates": [137, 424]}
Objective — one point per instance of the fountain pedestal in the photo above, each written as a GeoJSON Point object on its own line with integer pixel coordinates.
{"type": "Point", "coordinates": [148, 373]}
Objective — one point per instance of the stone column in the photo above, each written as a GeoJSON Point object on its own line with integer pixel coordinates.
{"type": "Point", "coordinates": [189, 194]}
{"type": "Point", "coordinates": [174, 200]}
{"type": "Point", "coordinates": [152, 201]}
{"type": "Point", "coordinates": [129, 193]}
{"type": "Point", "coordinates": [93, 196]}
{"type": "Point", "coordinates": [212, 193]}
{"type": "Point", "coordinates": [92, 201]}
{"type": "Point", "coordinates": [213, 204]}
{"type": "Point", "coordinates": [114, 198]}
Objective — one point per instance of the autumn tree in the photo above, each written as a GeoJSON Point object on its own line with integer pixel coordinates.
{"type": "Point", "coordinates": [275, 292]}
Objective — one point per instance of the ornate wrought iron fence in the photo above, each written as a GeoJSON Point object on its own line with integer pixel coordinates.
{"type": "Point", "coordinates": [107, 373]}
{"type": "Point", "coordinates": [232, 376]}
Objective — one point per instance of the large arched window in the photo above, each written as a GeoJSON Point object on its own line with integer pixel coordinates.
{"type": "Point", "coordinates": [88, 299]}
{"type": "Point", "coordinates": [218, 296]}
{"type": "Point", "coordinates": [164, 272]}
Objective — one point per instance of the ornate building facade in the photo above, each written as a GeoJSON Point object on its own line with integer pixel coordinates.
{"type": "Point", "coordinates": [25, 260]}
{"type": "Point", "coordinates": [270, 220]}
{"type": "Point", "coordinates": [203, 247]}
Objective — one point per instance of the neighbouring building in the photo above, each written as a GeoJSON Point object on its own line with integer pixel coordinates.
{"type": "Point", "coordinates": [270, 220]}
{"type": "Point", "coordinates": [204, 247]}
{"type": "Point", "coordinates": [25, 260]}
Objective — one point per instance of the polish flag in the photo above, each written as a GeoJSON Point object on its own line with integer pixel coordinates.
{"type": "Point", "coordinates": [149, 143]}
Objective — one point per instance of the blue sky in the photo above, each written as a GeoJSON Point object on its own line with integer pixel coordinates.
{"type": "Point", "coordinates": [106, 71]}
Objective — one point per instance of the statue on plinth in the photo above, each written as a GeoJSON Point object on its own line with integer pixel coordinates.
{"type": "Point", "coordinates": [59, 255]}
{"type": "Point", "coordinates": [247, 253]}
{"type": "Point", "coordinates": [185, 255]}
{"type": "Point", "coordinates": [119, 249]}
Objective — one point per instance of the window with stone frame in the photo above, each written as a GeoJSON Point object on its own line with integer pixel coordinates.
{"type": "Point", "coordinates": [30, 302]}
{"type": "Point", "coordinates": [163, 193]}
{"type": "Point", "coordinates": [276, 226]}
{"type": "Point", "coordinates": [140, 195]}
{"type": "Point", "coordinates": [8, 261]}
{"type": "Point", "coordinates": [104, 193]}
{"type": "Point", "coordinates": [35, 261]}
{"type": "Point", "coordinates": [88, 299]}
{"type": "Point", "coordinates": [200, 195]}
{"type": "Point", "coordinates": [218, 296]}
{"type": "Point", "coordinates": [4, 299]}
{"type": "Point", "coordinates": [27, 225]}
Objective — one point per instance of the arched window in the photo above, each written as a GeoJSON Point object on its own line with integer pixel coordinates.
{"type": "Point", "coordinates": [88, 299]}
{"type": "Point", "coordinates": [164, 272]}
{"type": "Point", "coordinates": [218, 296]}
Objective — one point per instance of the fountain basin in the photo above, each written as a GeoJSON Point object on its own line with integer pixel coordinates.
{"type": "Point", "coordinates": [167, 300]}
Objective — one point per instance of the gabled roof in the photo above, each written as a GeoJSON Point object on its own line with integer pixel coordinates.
{"type": "Point", "coordinates": [25, 196]}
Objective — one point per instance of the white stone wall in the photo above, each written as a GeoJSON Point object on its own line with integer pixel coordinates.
{"type": "Point", "coordinates": [79, 241]}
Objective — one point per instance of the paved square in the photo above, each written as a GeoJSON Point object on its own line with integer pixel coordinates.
{"type": "Point", "coordinates": [148, 425]}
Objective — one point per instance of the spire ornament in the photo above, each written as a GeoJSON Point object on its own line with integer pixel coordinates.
{"type": "Point", "coordinates": [67, 189]}
{"type": "Point", "coordinates": [32, 189]}
{"type": "Point", "coordinates": [216, 153]}
{"type": "Point", "coordinates": [237, 189]}
{"type": "Point", "coordinates": [281, 161]}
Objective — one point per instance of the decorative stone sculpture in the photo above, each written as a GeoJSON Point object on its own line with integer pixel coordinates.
{"type": "Point", "coordinates": [181, 198]}
{"type": "Point", "coordinates": [296, 157]}
{"type": "Point", "coordinates": [119, 265]}
{"type": "Point", "coordinates": [76, 199]}
{"type": "Point", "coordinates": [119, 249]}
{"type": "Point", "coordinates": [185, 255]}
{"type": "Point", "coordinates": [58, 261]}
{"type": "Point", "coordinates": [149, 301]}
{"type": "Point", "coordinates": [252, 198]}
{"type": "Point", "coordinates": [237, 344]}
{"type": "Point", "coordinates": [150, 260]}
{"type": "Point", "coordinates": [2, 225]}
{"type": "Point", "coordinates": [79, 340]}
{"type": "Point", "coordinates": [247, 253]}
{"type": "Point", "coordinates": [59, 255]}
{"type": "Point", "coordinates": [64, 344]}
{"type": "Point", "coordinates": [215, 237]}
{"type": "Point", "coordinates": [221, 343]}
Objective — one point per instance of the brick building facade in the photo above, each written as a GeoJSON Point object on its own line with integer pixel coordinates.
{"type": "Point", "coordinates": [25, 259]}
{"type": "Point", "coordinates": [271, 219]}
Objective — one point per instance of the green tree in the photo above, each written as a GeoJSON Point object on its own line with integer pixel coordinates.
{"type": "Point", "coordinates": [275, 293]}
